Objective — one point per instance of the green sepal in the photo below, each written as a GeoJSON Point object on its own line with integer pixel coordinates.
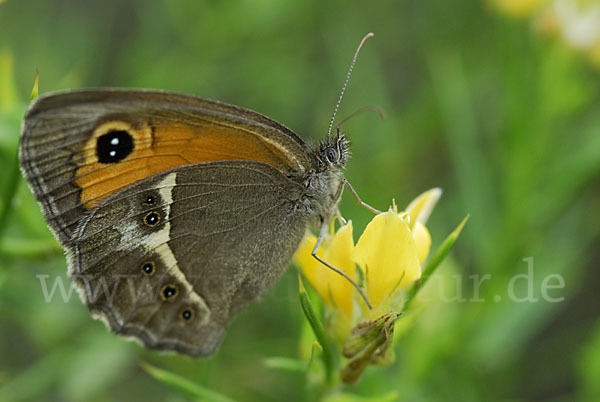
{"type": "Point", "coordinates": [369, 343]}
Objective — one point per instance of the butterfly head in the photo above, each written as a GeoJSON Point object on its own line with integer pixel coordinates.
{"type": "Point", "coordinates": [332, 152]}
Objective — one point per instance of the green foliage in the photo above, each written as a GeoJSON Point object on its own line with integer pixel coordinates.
{"type": "Point", "coordinates": [184, 385]}
{"type": "Point", "coordinates": [434, 262]}
{"type": "Point", "coordinates": [506, 121]}
{"type": "Point", "coordinates": [325, 344]}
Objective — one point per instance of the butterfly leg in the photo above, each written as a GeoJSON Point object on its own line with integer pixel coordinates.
{"type": "Point", "coordinates": [357, 198]}
{"type": "Point", "coordinates": [322, 233]}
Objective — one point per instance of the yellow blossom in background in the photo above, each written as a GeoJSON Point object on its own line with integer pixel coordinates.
{"type": "Point", "coordinates": [575, 22]}
{"type": "Point", "coordinates": [518, 8]}
{"type": "Point", "coordinates": [594, 54]}
{"type": "Point", "coordinates": [578, 23]}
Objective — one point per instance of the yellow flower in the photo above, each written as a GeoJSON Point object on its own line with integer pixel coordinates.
{"type": "Point", "coordinates": [389, 255]}
{"type": "Point", "coordinates": [336, 291]}
{"type": "Point", "coordinates": [387, 258]}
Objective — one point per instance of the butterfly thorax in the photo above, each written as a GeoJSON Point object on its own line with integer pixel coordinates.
{"type": "Point", "coordinates": [322, 182]}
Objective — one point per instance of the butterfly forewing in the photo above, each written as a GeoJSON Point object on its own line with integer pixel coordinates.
{"type": "Point", "coordinates": [80, 147]}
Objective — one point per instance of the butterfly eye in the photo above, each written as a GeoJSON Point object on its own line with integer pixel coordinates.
{"type": "Point", "coordinates": [152, 218]}
{"type": "Point", "coordinates": [168, 292]}
{"type": "Point", "coordinates": [331, 155]}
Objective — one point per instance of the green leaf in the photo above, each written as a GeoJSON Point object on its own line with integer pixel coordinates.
{"type": "Point", "coordinates": [315, 351]}
{"type": "Point", "coordinates": [8, 91]}
{"type": "Point", "coordinates": [184, 385]}
{"type": "Point", "coordinates": [435, 261]}
{"type": "Point", "coordinates": [8, 193]}
{"type": "Point", "coordinates": [285, 363]}
{"type": "Point", "coordinates": [35, 89]}
{"type": "Point", "coordinates": [346, 397]}
{"type": "Point", "coordinates": [329, 359]}
{"type": "Point", "coordinates": [28, 248]}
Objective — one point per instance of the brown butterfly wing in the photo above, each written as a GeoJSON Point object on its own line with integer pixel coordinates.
{"type": "Point", "coordinates": [215, 224]}
{"type": "Point", "coordinates": [66, 146]}
{"type": "Point", "coordinates": [220, 234]}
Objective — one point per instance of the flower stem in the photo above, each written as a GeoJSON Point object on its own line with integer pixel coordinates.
{"type": "Point", "coordinates": [329, 359]}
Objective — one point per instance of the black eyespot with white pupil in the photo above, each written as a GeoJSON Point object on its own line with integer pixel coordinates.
{"type": "Point", "coordinates": [152, 218]}
{"type": "Point", "coordinates": [148, 268]}
{"type": "Point", "coordinates": [187, 314]}
{"type": "Point", "coordinates": [114, 146]}
{"type": "Point", "coordinates": [168, 292]}
{"type": "Point", "coordinates": [149, 200]}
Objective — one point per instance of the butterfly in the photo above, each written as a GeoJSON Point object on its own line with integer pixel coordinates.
{"type": "Point", "coordinates": [175, 211]}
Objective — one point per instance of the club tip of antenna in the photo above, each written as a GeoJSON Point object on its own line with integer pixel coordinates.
{"type": "Point", "coordinates": [367, 36]}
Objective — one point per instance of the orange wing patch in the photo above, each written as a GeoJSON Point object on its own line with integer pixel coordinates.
{"type": "Point", "coordinates": [160, 148]}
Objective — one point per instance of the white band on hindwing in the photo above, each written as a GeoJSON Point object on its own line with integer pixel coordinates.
{"type": "Point", "coordinates": [159, 243]}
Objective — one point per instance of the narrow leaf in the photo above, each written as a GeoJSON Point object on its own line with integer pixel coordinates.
{"type": "Point", "coordinates": [35, 89]}
{"type": "Point", "coordinates": [316, 351]}
{"type": "Point", "coordinates": [285, 363]}
{"type": "Point", "coordinates": [8, 192]}
{"type": "Point", "coordinates": [184, 385]}
{"type": "Point", "coordinates": [435, 261]}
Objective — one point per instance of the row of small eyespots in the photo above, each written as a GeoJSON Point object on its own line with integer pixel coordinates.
{"type": "Point", "coordinates": [152, 218]}
{"type": "Point", "coordinates": [168, 292]}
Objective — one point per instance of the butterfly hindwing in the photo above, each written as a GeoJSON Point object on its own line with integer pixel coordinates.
{"type": "Point", "coordinates": [170, 258]}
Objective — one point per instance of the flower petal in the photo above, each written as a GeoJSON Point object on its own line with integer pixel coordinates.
{"type": "Point", "coordinates": [420, 208]}
{"type": "Point", "coordinates": [307, 263]}
{"type": "Point", "coordinates": [331, 286]}
{"type": "Point", "coordinates": [422, 240]}
{"type": "Point", "coordinates": [387, 254]}
{"type": "Point", "coordinates": [339, 254]}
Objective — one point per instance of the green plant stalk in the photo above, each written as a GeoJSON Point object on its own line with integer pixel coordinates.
{"type": "Point", "coordinates": [434, 262]}
{"type": "Point", "coordinates": [329, 359]}
{"type": "Point", "coordinates": [14, 174]}
{"type": "Point", "coordinates": [8, 193]}
{"type": "Point", "coordinates": [285, 363]}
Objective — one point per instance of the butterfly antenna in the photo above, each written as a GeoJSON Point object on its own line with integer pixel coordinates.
{"type": "Point", "coordinates": [369, 108]}
{"type": "Point", "coordinates": [362, 42]}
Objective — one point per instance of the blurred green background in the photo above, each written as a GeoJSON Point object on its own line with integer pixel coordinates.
{"type": "Point", "coordinates": [492, 105]}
